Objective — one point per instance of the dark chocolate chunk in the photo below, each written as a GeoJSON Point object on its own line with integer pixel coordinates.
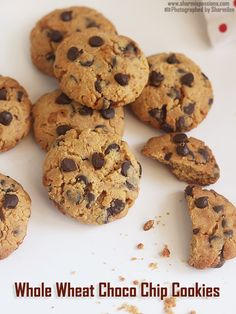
{"type": "Point", "coordinates": [180, 138]}
{"type": "Point", "coordinates": [90, 198]}
{"type": "Point", "coordinates": [3, 94]}
{"type": "Point", "coordinates": [111, 147]}
{"type": "Point", "coordinates": [180, 123]}
{"type": "Point", "coordinates": [74, 53]}
{"type": "Point", "coordinates": [62, 129]}
{"type": "Point", "coordinates": [87, 63]}
{"type": "Point", "coordinates": [82, 178]}
{"type": "Point", "coordinates": [218, 208]}
{"type": "Point", "coordinates": [96, 41]}
{"type": "Point", "coordinates": [19, 95]}
{"type": "Point", "coordinates": [66, 16]}
{"type": "Point", "coordinates": [50, 56]}
{"type": "Point", "coordinates": [10, 201]}
{"type": "Point", "coordinates": [108, 113]}
{"type": "Point", "coordinates": [55, 36]}
{"type": "Point", "coordinates": [213, 237]}
{"type": "Point", "coordinates": [228, 233]}
{"type": "Point", "coordinates": [131, 48]}
{"type": "Point", "coordinates": [68, 165]}
{"type": "Point", "coordinates": [172, 59]}
{"type": "Point", "coordinates": [122, 79]}
{"type": "Point", "coordinates": [189, 190]}
{"type": "Point", "coordinates": [125, 167]}
{"type": "Point", "coordinates": [189, 109]}
{"type": "Point", "coordinates": [5, 117]}
{"type": "Point", "coordinates": [201, 202]}
{"type": "Point", "coordinates": [85, 111]}
{"type": "Point", "coordinates": [155, 78]}
{"type": "Point", "coordinates": [98, 86]}
{"type": "Point", "coordinates": [174, 93]}
{"type": "Point", "coordinates": [196, 230]}
{"type": "Point", "coordinates": [159, 114]}
{"type": "Point", "coordinates": [63, 99]}
{"type": "Point", "coordinates": [116, 207]}
{"type": "Point", "coordinates": [140, 170]}
{"type": "Point", "coordinates": [224, 223]}
{"type": "Point", "coordinates": [167, 128]}
{"type": "Point", "coordinates": [210, 101]}
{"type": "Point", "coordinates": [168, 156]}
{"type": "Point", "coordinates": [182, 149]}
{"type": "Point", "coordinates": [91, 23]}
{"type": "Point", "coordinates": [187, 79]}
{"type": "Point", "coordinates": [98, 161]}
{"type": "Point", "coordinates": [129, 185]}
{"type": "Point", "coordinates": [204, 153]}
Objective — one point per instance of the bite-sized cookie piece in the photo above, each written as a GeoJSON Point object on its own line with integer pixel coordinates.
{"type": "Point", "coordinates": [214, 227]}
{"type": "Point", "coordinates": [50, 31]}
{"type": "Point", "coordinates": [178, 95]}
{"type": "Point", "coordinates": [14, 215]}
{"type": "Point", "coordinates": [91, 176]}
{"type": "Point", "coordinates": [55, 113]}
{"type": "Point", "coordinates": [99, 69]}
{"type": "Point", "coordinates": [15, 110]}
{"type": "Point", "coordinates": [188, 158]}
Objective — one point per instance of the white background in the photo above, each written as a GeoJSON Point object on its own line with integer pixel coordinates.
{"type": "Point", "coordinates": [56, 245]}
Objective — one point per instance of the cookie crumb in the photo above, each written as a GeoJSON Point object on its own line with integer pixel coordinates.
{"type": "Point", "coordinates": [133, 258]}
{"type": "Point", "coordinates": [193, 312]}
{"type": "Point", "coordinates": [148, 225]}
{"type": "Point", "coordinates": [121, 278]}
{"type": "Point", "coordinates": [165, 252]}
{"type": "Point", "coordinates": [169, 303]}
{"type": "Point", "coordinates": [129, 309]}
{"type": "Point", "coordinates": [136, 282]}
{"type": "Point", "coordinates": [140, 246]}
{"type": "Point", "coordinates": [152, 266]}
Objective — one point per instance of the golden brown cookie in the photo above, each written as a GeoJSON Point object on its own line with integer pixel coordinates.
{"type": "Point", "coordinates": [15, 110]}
{"type": "Point", "coordinates": [188, 158]}
{"type": "Point", "coordinates": [214, 228]}
{"type": "Point", "coordinates": [50, 31]}
{"type": "Point", "coordinates": [92, 176]}
{"type": "Point", "coordinates": [99, 69]}
{"type": "Point", "coordinates": [14, 215]}
{"type": "Point", "coordinates": [55, 113]}
{"type": "Point", "coordinates": [178, 95]}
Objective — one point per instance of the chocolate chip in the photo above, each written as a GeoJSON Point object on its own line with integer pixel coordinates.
{"type": "Point", "coordinates": [174, 93]}
{"type": "Point", "coordinates": [204, 153]}
{"type": "Point", "coordinates": [168, 156]}
{"type": "Point", "coordinates": [55, 36]}
{"type": "Point", "coordinates": [98, 161]}
{"type": "Point", "coordinates": [218, 208]}
{"type": "Point", "coordinates": [62, 129]}
{"type": "Point", "coordinates": [182, 150]}
{"type": "Point", "coordinates": [10, 201]}
{"type": "Point", "coordinates": [68, 165]}
{"type": "Point", "coordinates": [63, 99]}
{"type": "Point", "coordinates": [172, 59]}
{"type": "Point", "coordinates": [116, 207]}
{"type": "Point", "coordinates": [180, 138]}
{"type": "Point", "coordinates": [189, 109]}
{"type": "Point", "coordinates": [189, 190]}
{"type": "Point", "coordinates": [159, 114]}
{"type": "Point", "coordinates": [167, 128]}
{"type": "Point", "coordinates": [201, 202]}
{"type": "Point", "coordinates": [82, 178]}
{"type": "Point", "coordinates": [3, 94]}
{"type": "Point", "coordinates": [180, 123]}
{"type": "Point", "coordinates": [229, 233]}
{"type": "Point", "coordinates": [111, 147]}
{"type": "Point", "coordinates": [5, 117]}
{"type": "Point", "coordinates": [131, 48]}
{"type": "Point", "coordinates": [91, 23]}
{"type": "Point", "coordinates": [19, 95]}
{"type": "Point", "coordinates": [66, 16]}
{"type": "Point", "coordinates": [108, 113]}
{"type": "Point", "coordinates": [140, 170]}
{"type": "Point", "coordinates": [187, 79]}
{"type": "Point", "coordinates": [129, 185]}
{"type": "Point", "coordinates": [98, 86]}
{"type": "Point", "coordinates": [125, 167]}
{"type": "Point", "coordinates": [122, 79]}
{"type": "Point", "coordinates": [210, 101]}
{"type": "Point", "coordinates": [155, 78]}
{"type": "Point", "coordinates": [196, 230]}
{"type": "Point", "coordinates": [213, 237]}
{"type": "Point", "coordinates": [96, 41]}
{"type": "Point", "coordinates": [50, 56]}
{"type": "Point", "coordinates": [113, 62]}
{"type": "Point", "coordinates": [221, 257]}
{"type": "Point", "coordinates": [85, 111]}
{"type": "Point", "coordinates": [224, 223]}
{"type": "Point", "coordinates": [74, 53]}
{"type": "Point", "coordinates": [90, 198]}
{"type": "Point", "coordinates": [87, 63]}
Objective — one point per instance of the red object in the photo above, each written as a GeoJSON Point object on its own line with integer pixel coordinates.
{"type": "Point", "coordinates": [223, 27]}
{"type": "Point", "coordinates": [235, 3]}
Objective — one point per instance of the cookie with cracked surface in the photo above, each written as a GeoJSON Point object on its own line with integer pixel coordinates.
{"type": "Point", "coordinates": [214, 227]}
{"type": "Point", "coordinates": [14, 215]}
{"type": "Point", "coordinates": [178, 95]}
{"type": "Point", "coordinates": [15, 111]}
{"type": "Point", "coordinates": [92, 176]}
{"type": "Point", "coordinates": [188, 158]}
{"type": "Point", "coordinates": [55, 113]}
{"type": "Point", "coordinates": [50, 30]}
{"type": "Point", "coordinates": [99, 69]}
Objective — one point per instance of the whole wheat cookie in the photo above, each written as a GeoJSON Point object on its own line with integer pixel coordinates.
{"type": "Point", "coordinates": [14, 215]}
{"type": "Point", "coordinates": [178, 95]}
{"type": "Point", "coordinates": [55, 113]}
{"type": "Point", "coordinates": [91, 176]}
{"type": "Point", "coordinates": [50, 31]}
{"type": "Point", "coordinates": [99, 69]}
{"type": "Point", "coordinates": [15, 111]}
{"type": "Point", "coordinates": [188, 158]}
{"type": "Point", "coordinates": [214, 227]}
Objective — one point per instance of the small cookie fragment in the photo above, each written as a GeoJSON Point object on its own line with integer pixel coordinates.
{"type": "Point", "coordinates": [165, 252]}
{"type": "Point", "coordinates": [178, 95]}
{"type": "Point", "coordinates": [83, 176]}
{"type": "Point", "coordinates": [14, 215]}
{"type": "Point", "coordinates": [214, 227]}
{"type": "Point", "coordinates": [115, 74]}
{"type": "Point", "coordinates": [148, 225]}
{"type": "Point", "coordinates": [15, 110]}
{"type": "Point", "coordinates": [169, 303]}
{"type": "Point", "coordinates": [53, 28]}
{"type": "Point", "coordinates": [188, 158]}
{"type": "Point", "coordinates": [140, 246]}
{"type": "Point", "coordinates": [55, 113]}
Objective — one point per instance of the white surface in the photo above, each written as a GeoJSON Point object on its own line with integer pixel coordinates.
{"type": "Point", "coordinates": [56, 245]}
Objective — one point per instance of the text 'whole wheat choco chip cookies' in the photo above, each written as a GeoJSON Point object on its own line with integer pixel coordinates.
{"type": "Point", "coordinates": [14, 215]}
{"type": "Point", "coordinates": [92, 176]}
{"type": "Point", "coordinates": [55, 113]}
{"type": "Point", "coordinates": [50, 31]}
{"type": "Point", "coordinates": [178, 95]}
{"type": "Point", "coordinates": [99, 69]}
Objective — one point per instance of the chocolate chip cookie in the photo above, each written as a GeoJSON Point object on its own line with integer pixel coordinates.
{"type": "Point", "coordinates": [55, 113]}
{"type": "Point", "coordinates": [15, 108]}
{"type": "Point", "coordinates": [92, 176]}
{"type": "Point", "coordinates": [188, 158]}
{"type": "Point", "coordinates": [178, 95]}
{"type": "Point", "coordinates": [14, 215]}
{"type": "Point", "coordinates": [50, 31]}
{"type": "Point", "coordinates": [214, 227]}
{"type": "Point", "coordinates": [99, 69]}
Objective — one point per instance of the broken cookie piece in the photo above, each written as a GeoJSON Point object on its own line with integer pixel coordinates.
{"type": "Point", "coordinates": [189, 159]}
{"type": "Point", "coordinates": [214, 227]}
